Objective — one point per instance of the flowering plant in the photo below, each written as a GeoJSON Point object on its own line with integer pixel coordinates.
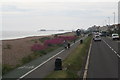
{"type": "Point", "coordinates": [37, 47]}
{"type": "Point", "coordinates": [68, 37]}
{"type": "Point", "coordinates": [54, 41]}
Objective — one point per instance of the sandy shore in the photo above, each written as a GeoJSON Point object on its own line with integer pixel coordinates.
{"type": "Point", "coordinates": [14, 50]}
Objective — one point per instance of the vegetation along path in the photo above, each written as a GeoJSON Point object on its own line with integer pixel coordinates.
{"type": "Point", "coordinates": [73, 63]}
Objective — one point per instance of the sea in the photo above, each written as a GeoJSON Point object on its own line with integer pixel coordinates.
{"type": "Point", "coordinates": [7, 35]}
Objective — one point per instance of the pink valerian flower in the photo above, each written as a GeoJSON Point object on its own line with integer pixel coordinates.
{"type": "Point", "coordinates": [54, 41]}
{"type": "Point", "coordinates": [59, 40]}
{"type": "Point", "coordinates": [68, 37]}
{"type": "Point", "coordinates": [37, 47]}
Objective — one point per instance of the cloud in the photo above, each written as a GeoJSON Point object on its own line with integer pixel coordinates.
{"type": "Point", "coordinates": [59, 0]}
{"type": "Point", "coordinates": [12, 10]}
{"type": "Point", "coordinates": [55, 15]}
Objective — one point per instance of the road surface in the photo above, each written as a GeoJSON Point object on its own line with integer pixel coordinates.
{"type": "Point", "coordinates": [103, 61]}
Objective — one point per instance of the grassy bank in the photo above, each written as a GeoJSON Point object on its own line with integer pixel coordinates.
{"type": "Point", "coordinates": [73, 62]}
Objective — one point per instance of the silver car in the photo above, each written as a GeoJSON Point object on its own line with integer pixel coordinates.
{"type": "Point", "coordinates": [97, 38]}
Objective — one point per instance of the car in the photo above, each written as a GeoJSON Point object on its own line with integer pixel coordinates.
{"type": "Point", "coordinates": [103, 34]}
{"type": "Point", "coordinates": [100, 34]}
{"type": "Point", "coordinates": [115, 36]}
{"type": "Point", "coordinates": [97, 38]}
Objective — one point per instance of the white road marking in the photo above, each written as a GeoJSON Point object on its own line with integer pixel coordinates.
{"type": "Point", "coordinates": [87, 63]}
{"type": "Point", "coordinates": [44, 62]}
{"type": "Point", "coordinates": [111, 48]}
{"type": "Point", "coordinates": [72, 44]}
{"type": "Point", "coordinates": [118, 55]}
{"type": "Point", "coordinates": [26, 67]}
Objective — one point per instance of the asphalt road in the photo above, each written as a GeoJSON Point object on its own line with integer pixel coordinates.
{"type": "Point", "coordinates": [103, 62]}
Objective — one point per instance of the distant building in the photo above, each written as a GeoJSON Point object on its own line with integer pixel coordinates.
{"type": "Point", "coordinates": [119, 12]}
{"type": "Point", "coordinates": [94, 28]}
{"type": "Point", "coordinates": [119, 17]}
{"type": "Point", "coordinates": [119, 28]}
{"type": "Point", "coordinates": [104, 28]}
{"type": "Point", "coordinates": [113, 27]}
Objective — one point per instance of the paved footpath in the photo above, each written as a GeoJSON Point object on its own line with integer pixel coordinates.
{"type": "Point", "coordinates": [42, 66]}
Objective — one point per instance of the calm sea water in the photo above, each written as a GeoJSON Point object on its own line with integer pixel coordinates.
{"type": "Point", "coordinates": [21, 34]}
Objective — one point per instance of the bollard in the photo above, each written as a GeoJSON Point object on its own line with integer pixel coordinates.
{"type": "Point", "coordinates": [81, 41]}
{"type": "Point", "coordinates": [58, 64]}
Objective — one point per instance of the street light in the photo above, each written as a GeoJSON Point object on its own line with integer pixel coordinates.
{"type": "Point", "coordinates": [109, 20]}
{"type": "Point", "coordinates": [105, 22]}
{"type": "Point", "coordinates": [114, 17]}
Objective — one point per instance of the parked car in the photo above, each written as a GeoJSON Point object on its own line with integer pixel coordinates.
{"type": "Point", "coordinates": [97, 38]}
{"type": "Point", "coordinates": [115, 36]}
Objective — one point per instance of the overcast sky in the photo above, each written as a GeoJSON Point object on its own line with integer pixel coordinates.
{"type": "Point", "coordinates": [56, 14]}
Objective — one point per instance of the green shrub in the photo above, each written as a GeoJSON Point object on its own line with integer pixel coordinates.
{"type": "Point", "coordinates": [8, 46]}
{"type": "Point", "coordinates": [26, 59]}
{"type": "Point", "coordinates": [43, 39]}
{"type": "Point", "coordinates": [73, 62]}
{"type": "Point", "coordinates": [6, 68]}
{"type": "Point", "coordinates": [50, 45]}
{"type": "Point", "coordinates": [35, 40]}
{"type": "Point", "coordinates": [39, 53]}
{"type": "Point", "coordinates": [58, 75]}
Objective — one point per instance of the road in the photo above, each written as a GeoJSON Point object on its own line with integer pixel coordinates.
{"type": "Point", "coordinates": [103, 61]}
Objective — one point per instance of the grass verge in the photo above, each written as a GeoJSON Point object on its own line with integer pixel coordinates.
{"type": "Point", "coordinates": [73, 62]}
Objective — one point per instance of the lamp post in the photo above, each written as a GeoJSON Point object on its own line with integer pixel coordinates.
{"type": "Point", "coordinates": [109, 21]}
{"type": "Point", "coordinates": [114, 17]}
{"type": "Point", "coordinates": [114, 20]}
{"type": "Point", "coordinates": [105, 23]}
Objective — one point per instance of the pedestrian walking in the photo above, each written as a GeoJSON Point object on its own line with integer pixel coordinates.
{"type": "Point", "coordinates": [65, 44]}
{"type": "Point", "coordinates": [68, 45]}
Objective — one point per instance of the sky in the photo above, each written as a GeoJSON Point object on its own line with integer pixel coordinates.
{"type": "Point", "coordinates": [32, 15]}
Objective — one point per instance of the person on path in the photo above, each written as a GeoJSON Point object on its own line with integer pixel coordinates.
{"type": "Point", "coordinates": [65, 44]}
{"type": "Point", "coordinates": [68, 45]}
